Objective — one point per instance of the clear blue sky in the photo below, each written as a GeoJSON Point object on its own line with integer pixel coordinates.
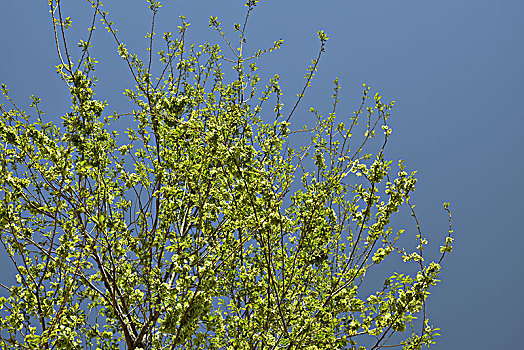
{"type": "Point", "coordinates": [455, 69]}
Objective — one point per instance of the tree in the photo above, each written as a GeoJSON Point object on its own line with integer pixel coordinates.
{"type": "Point", "coordinates": [208, 228]}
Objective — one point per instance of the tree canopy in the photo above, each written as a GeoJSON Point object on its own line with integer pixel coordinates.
{"type": "Point", "coordinates": [211, 226]}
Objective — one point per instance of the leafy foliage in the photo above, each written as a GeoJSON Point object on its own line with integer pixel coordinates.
{"type": "Point", "coordinates": [206, 229]}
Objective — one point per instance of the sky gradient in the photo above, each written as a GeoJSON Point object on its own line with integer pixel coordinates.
{"type": "Point", "coordinates": [454, 69]}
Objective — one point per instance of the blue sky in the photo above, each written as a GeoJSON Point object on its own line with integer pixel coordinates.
{"type": "Point", "coordinates": [455, 70]}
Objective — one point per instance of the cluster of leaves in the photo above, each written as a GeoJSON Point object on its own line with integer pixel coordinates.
{"type": "Point", "coordinates": [206, 229]}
